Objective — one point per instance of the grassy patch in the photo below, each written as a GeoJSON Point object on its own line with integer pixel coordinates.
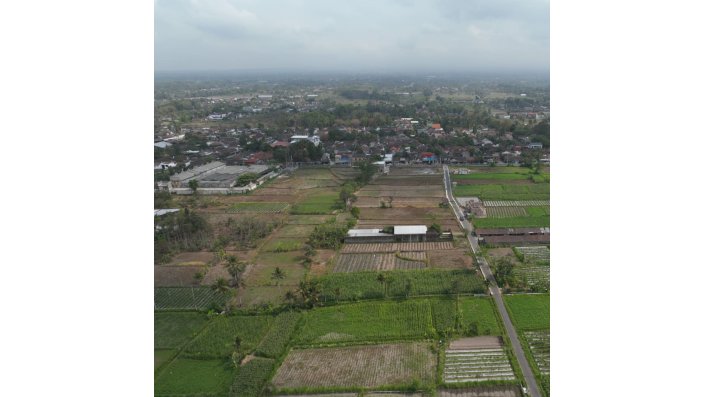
{"type": "Point", "coordinates": [317, 204]}
{"type": "Point", "coordinates": [218, 339]}
{"type": "Point", "coordinates": [171, 330]}
{"type": "Point", "coordinates": [529, 312]}
{"type": "Point", "coordinates": [368, 321]}
{"type": "Point", "coordinates": [194, 377]}
{"type": "Point", "coordinates": [162, 356]}
{"type": "Point", "coordinates": [283, 245]}
{"type": "Point", "coordinates": [480, 312]}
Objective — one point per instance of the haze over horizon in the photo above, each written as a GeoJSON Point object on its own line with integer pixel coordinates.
{"type": "Point", "coordinates": [399, 36]}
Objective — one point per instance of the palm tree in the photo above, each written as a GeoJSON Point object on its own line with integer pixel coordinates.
{"type": "Point", "coordinates": [290, 297]}
{"type": "Point", "coordinates": [221, 285]}
{"type": "Point", "coordinates": [278, 275]}
{"type": "Point", "coordinates": [382, 278]}
{"type": "Point", "coordinates": [235, 268]}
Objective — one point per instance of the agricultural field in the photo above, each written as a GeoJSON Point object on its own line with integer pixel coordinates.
{"type": "Point", "coordinates": [465, 317]}
{"type": "Point", "coordinates": [380, 262]}
{"type": "Point", "coordinates": [450, 259]}
{"type": "Point", "coordinates": [251, 377]}
{"type": "Point", "coordinates": [476, 360]}
{"type": "Point", "coordinates": [538, 191]}
{"type": "Point", "coordinates": [394, 247]}
{"type": "Point", "coordinates": [483, 391]}
{"type": "Point", "coordinates": [532, 273]}
{"type": "Point", "coordinates": [400, 283]}
{"type": "Point", "coordinates": [194, 377]}
{"type": "Point", "coordinates": [267, 262]}
{"type": "Point", "coordinates": [259, 207]}
{"type": "Point", "coordinates": [187, 298]}
{"type": "Point", "coordinates": [529, 203]}
{"type": "Point", "coordinates": [398, 364]}
{"type": "Point", "coordinates": [506, 212]}
{"type": "Point", "coordinates": [320, 203]}
{"type": "Point", "coordinates": [177, 276]}
{"type": "Point", "coordinates": [529, 311]}
{"type": "Point", "coordinates": [367, 321]}
{"type": "Point", "coordinates": [540, 346]}
{"type": "Point", "coordinates": [277, 338]}
{"type": "Point", "coordinates": [173, 329]}
{"type": "Point", "coordinates": [218, 339]}
{"type": "Point", "coordinates": [535, 254]}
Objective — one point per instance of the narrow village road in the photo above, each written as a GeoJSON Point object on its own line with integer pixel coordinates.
{"type": "Point", "coordinates": [494, 290]}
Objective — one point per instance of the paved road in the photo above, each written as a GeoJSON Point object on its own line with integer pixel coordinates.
{"type": "Point", "coordinates": [494, 290]}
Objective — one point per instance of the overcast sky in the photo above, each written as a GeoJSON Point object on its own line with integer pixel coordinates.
{"type": "Point", "coordinates": [359, 35]}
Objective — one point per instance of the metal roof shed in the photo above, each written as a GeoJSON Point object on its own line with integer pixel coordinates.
{"type": "Point", "coordinates": [411, 229]}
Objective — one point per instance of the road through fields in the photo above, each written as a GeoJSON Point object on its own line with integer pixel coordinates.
{"type": "Point", "coordinates": [494, 290]}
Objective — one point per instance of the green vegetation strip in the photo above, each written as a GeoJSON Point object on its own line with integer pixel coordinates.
{"type": "Point", "coordinates": [274, 344]}
{"type": "Point", "coordinates": [505, 192]}
{"type": "Point", "coordinates": [519, 221]}
{"type": "Point", "coordinates": [251, 377]}
{"type": "Point", "coordinates": [218, 339]}
{"type": "Point", "coordinates": [385, 321]}
{"type": "Point", "coordinates": [529, 311]}
{"type": "Point", "coordinates": [317, 204]}
{"type": "Point", "coordinates": [401, 283]}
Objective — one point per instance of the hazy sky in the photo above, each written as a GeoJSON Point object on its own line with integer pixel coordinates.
{"type": "Point", "coordinates": [359, 35]}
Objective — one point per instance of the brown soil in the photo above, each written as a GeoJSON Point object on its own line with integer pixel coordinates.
{"type": "Point", "coordinates": [450, 259]}
{"type": "Point", "coordinates": [478, 342]}
{"type": "Point", "coordinates": [176, 276]}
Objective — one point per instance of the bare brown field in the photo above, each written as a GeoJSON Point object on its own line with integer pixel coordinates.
{"type": "Point", "coordinates": [450, 259]}
{"type": "Point", "coordinates": [477, 342]}
{"type": "Point", "coordinates": [394, 247]}
{"type": "Point", "coordinates": [176, 276]}
{"type": "Point", "coordinates": [483, 391]}
{"type": "Point", "coordinates": [379, 262]}
{"type": "Point", "coordinates": [399, 214]}
{"type": "Point", "coordinates": [200, 258]}
{"type": "Point", "coordinates": [357, 366]}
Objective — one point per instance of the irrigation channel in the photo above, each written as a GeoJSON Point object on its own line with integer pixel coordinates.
{"type": "Point", "coordinates": [494, 289]}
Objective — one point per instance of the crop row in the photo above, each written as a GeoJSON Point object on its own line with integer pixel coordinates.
{"type": "Point", "coordinates": [394, 247]}
{"type": "Point", "coordinates": [377, 262]}
{"type": "Point", "coordinates": [366, 285]}
{"type": "Point", "coordinates": [251, 377]}
{"type": "Point", "coordinates": [506, 212]}
{"type": "Point", "coordinates": [539, 253]}
{"type": "Point", "coordinates": [220, 338]}
{"type": "Point", "coordinates": [275, 341]}
{"type": "Point", "coordinates": [476, 365]}
{"type": "Point", "coordinates": [178, 298]}
{"type": "Point", "coordinates": [514, 203]}
{"type": "Point", "coordinates": [540, 346]}
{"type": "Point", "coordinates": [534, 274]}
